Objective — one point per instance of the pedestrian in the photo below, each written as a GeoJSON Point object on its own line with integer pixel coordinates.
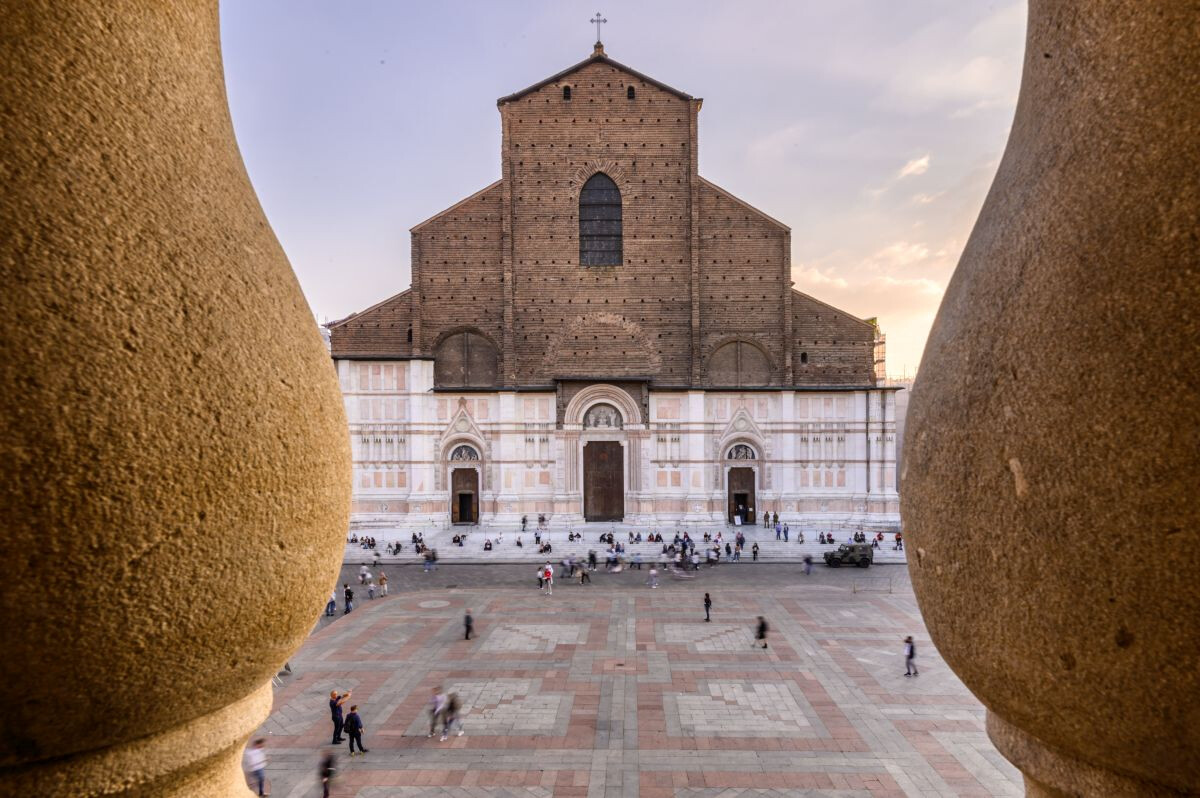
{"type": "Point", "coordinates": [807, 564]}
{"type": "Point", "coordinates": [541, 578]}
{"type": "Point", "coordinates": [349, 595]}
{"type": "Point", "coordinates": [548, 577]}
{"type": "Point", "coordinates": [362, 575]}
{"type": "Point", "coordinates": [256, 763]}
{"type": "Point", "coordinates": [437, 702]}
{"type": "Point", "coordinates": [354, 728]}
{"type": "Point", "coordinates": [335, 710]}
{"type": "Point", "coordinates": [653, 577]}
{"type": "Point", "coordinates": [778, 531]}
{"type": "Point", "coordinates": [450, 716]}
{"type": "Point", "coordinates": [910, 657]}
{"type": "Point", "coordinates": [754, 550]}
{"type": "Point", "coordinates": [761, 633]}
{"type": "Point", "coordinates": [326, 772]}
{"type": "Point", "coordinates": [331, 607]}
{"type": "Point", "coordinates": [468, 624]}
{"type": "Point", "coordinates": [785, 533]}
{"type": "Point", "coordinates": [707, 608]}
{"type": "Point", "coordinates": [382, 583]}
{"type": "Point", "coordinates": [371, 590]}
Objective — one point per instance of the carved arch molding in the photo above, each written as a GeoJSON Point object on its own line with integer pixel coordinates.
{"type": "Point", "coordinates": [600, 395]}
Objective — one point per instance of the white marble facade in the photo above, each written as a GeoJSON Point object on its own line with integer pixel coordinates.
{"type": "Point", "coordinates": [817, 455]}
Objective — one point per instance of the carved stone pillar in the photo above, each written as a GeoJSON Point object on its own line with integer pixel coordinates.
{"type": "Point", "coordinates": [175, 483]}
{"type": "Point", "coordinates": [1050, 470]}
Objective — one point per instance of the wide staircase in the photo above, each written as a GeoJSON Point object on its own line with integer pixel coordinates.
{"type": "Point", "coordinates": [505, 548]}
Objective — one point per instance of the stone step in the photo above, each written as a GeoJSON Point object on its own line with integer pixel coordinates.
{"type": "Point", "coordinates": [770, 550]}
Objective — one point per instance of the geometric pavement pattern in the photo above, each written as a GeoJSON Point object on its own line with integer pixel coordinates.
{"type": "Point", "coordinates": [624, 692]}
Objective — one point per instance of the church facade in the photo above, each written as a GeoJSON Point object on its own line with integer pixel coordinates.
{"type": "Point", "coordinates": [604, 335]}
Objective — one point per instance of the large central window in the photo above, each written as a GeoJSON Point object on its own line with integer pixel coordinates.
{"type": "Point", "coordinates": [600, 222]}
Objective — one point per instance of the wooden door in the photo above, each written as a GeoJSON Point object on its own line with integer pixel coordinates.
{"type": "Point", "coordinates": [464, 496]}
{"type": "Point", "coordinates": [741, 494]}
{"type": "Point", "coordinates": [603, 481]}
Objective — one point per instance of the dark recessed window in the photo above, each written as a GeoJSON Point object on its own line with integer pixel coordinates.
{"type": "Point", "coordinates": [804, 358]}
{"type": "Point", "coordinates": [629, 93]}
{"type": "Point", "coordinates": [566, 92]}
{"type": "Point", "coordinates": [600, 222]}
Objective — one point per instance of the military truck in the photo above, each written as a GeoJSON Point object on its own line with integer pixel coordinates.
{"type": "Point", "coordinates": [860, 554]}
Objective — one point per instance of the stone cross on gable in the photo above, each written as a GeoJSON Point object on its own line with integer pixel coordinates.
{"type": "Point", "coordinates": [597, 21]}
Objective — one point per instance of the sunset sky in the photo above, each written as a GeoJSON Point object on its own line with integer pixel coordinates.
{"type": "Point", "coordinates": [872, 128]}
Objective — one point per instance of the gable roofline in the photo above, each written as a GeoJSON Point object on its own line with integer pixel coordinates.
{"type": "Point", "coordinates": [850, 316]}
{"type": "Point", "coordinates": [726, 192]}
{"type": "Point", "coordinates": [596, 58]}
{"type": "Point", "coordinates": [359, 314]}
{"type": "Point", "coordinates": [455, 206]}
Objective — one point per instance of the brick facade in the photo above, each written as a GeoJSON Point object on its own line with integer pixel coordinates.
{"type": "Point", "coordinates": [695, 344]}
{"type": "Point", "coordinates": [701, 269]}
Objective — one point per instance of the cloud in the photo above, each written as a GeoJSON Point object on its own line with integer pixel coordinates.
{"type": "Point", "coordinates": [898, 255]}
{"type": "Point", "coordinates": [924, 199]}
{"type": "Point", "coordinates": [917, 166]}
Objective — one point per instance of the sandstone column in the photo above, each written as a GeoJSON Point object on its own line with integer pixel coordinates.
{"type": "Point", "coordinates": [1051, 464]}
{"type": "Point", "coordinates": [175, 483]}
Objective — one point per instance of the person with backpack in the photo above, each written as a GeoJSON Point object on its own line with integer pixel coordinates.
{"type": "Point", "coordinates": [354, 729]}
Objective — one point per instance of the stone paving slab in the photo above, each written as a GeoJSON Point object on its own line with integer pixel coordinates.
{"type": "Point", "coordinates": [616, 690]}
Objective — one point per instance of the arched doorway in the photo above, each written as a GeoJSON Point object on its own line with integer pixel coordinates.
{"type": "Point", "coordinates": [464, 485]}
{"type": "Point", "coordinates": [741, 485]}
{"type": "Point", "coordinates": [603, 466]}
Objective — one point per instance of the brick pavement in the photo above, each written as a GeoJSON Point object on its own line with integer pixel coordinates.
{"type": "Point", "coordinates": [617, 691]}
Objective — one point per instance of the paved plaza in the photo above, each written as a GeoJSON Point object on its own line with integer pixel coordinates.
{"type": "Point", "coordinates": [616, 690]}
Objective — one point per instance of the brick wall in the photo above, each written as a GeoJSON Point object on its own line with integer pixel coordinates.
{"type": "Point", "coordinates": [605, 321]}
{"type": "Point", "coordinates": [382, 330]}
{"type": "Point", "coordinates": [742, 291]}
{"type": "Point", "coordinates": [701, 269]}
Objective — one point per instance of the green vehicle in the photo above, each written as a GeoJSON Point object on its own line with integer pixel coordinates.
{"type": "Point", "coordinates": [860, 554]}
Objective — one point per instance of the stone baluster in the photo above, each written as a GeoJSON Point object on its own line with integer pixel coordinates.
{"type": "Point", "coordinates": [1050, 471]}
{"type": "Point", "coordinates": [175, 484]}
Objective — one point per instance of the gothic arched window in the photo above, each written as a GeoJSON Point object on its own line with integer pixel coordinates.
{"type": "Point", "coordinates": [600, 222]}
{"type": "Point", "coordinates": [742, 452]}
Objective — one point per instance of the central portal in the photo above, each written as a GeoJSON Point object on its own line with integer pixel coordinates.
{"type": "Point", "coordinates": [741, 495]}
{"type": "Point", "coordinates": [603, 481]}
